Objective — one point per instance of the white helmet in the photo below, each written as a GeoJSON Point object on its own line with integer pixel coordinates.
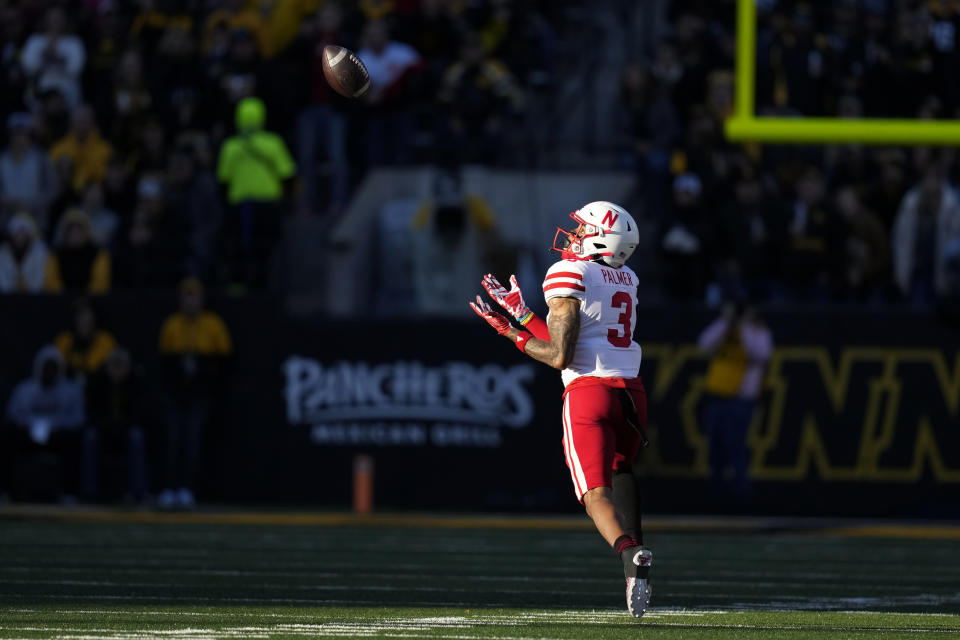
{"type": "Point", "coordinates": [606, 233]}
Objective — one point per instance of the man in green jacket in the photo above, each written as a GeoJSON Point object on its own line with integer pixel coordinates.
{"type": "Point", "coordinates": [254, 165]}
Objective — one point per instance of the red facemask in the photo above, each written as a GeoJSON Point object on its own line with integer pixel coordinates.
{"type": "Point", "coordinates": [568, 243]}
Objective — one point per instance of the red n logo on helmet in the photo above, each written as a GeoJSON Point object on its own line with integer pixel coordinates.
{"type": "Point", "coordinates": [610, 219]}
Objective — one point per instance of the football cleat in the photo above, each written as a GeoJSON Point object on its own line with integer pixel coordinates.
{"type": "Point", "coordinates": [638, 579]}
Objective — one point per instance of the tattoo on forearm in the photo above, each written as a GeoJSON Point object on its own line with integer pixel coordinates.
{"type": "Point", "coordinates": [564, 326]}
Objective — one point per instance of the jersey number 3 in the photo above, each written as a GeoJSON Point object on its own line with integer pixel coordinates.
{"type": "Point", "coordinates": [621, 337]}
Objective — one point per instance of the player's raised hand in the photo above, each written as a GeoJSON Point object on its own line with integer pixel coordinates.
{"type": "Point", "coordinates": [494, 319]}
{"type": "Point", "coordinates": [511, 300]}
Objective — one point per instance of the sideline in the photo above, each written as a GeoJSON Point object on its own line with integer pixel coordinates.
{"type": "Point", "coordinates": [718, 524]}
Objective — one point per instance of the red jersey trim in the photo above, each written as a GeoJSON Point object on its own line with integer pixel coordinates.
{"type": "Point", "coordinates": [565, 285]}
{"type": "Point", "coordinates": [564, 274]}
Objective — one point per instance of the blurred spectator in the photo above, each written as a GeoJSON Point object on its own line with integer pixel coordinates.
{"type": "Point", "coordinates": [195, 346]}
{"type": "Point", "coordinates": [77, 264]}
{"type": "Point", "coordinates": [85, 347]}
{"type": "Point", "coordinates": [799, 65]}
{"type": "Point", "coordinates": [847, 165]}
{"type": "Point", "coordinates": [653, 126]}
{"type": "Point", "coordinates": [888, 185]}
{"type": "Point", "coordinates": [285, 22]}
{"type": "Point", "coordinates": [46, 413]}
{"type": "Point", "coordinates": [26, 177]}
{"type": "Point", "coordinates": [155, 21]}
{"type": "Point", "coordinates": [322, 123]}
{"type": "Point", "coordinates": [388, 125]}
{"type": "Point", "coordinates": [87, 152]}
{"type": "Point", "coordinates": [106, 37]}
{"type": "Point", "coordinates": [877, 59]}
{"type": "Point", "coordinates": [103, 221]}
{"type": "Point", "coordinates": [254, 164]}
{"type": "Point", "coordinates": [683, 243]}
{"type": "Point", "coordinates": [13, 79]}
{"type": "Point", "coordinates": [923, 238]}
{"type": "Point", "coordinates": [480, 95]}
{"type": "Point", "coordinates": [685, 85]}
{"type": "Point", "coordinates": [740, 346]}
{"type": "Point", "coordinates": [192, 193]}
{"type": "Point", "coordinates": [119, 191]}
{"type": "Point", "coordinates": [750, 232]}
{"type": "Point", "coordinates": [519, 35]}
{"type": "Point", "coordinates": [457, 230]}
{"type": "Point", "coordinates": [234, 17]}
{"type": "Point", "coordinates": [913, 69]}
{"type": "Point", "coordinates": [155, 246]}
{"type": "Point", "coordinates": [23, 257]}
{"type": "Point", "coordinates": [169, 44]}
{"type": "Point", "coordinates": [815, 240]}
{"type": "Point", "coordinates": [238, 75]}
{"type": "Point", "coordinates": [53, 119]}
{"type": "Point", "coordinates": [125, 103]}
{"type": "Point", "coordinates": [433, 31]}
{"type": "Point", "coordinates": [55, 60]}
{"type": "Point", "coordinates": [868, 248]}
{"type": "Point", "coordinates": [148, 153]}
{"type": "Point", "coordinates": [704, 153]}
{"type": "Point", "coordinates": [652, 118]}
{"type": "Point", "coordinates": [115, 409]}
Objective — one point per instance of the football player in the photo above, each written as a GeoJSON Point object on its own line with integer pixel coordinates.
{"type": "Point", "coordinates": [588, 336]}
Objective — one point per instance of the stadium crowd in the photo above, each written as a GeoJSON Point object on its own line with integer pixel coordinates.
{"type": "Point", "coordinates": [127, 160]}
{"type": "Point", "coordinates": [159, 143]}
{"type": "Point", "coordinates": [802, 223]}
{"type": "Point", "coordinates": [119, 117]}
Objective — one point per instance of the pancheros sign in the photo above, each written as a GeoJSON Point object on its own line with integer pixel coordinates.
{"type": "Point", "coordinates": [866, 414]}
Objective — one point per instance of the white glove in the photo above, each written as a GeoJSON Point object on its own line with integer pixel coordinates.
{"type": "Point", "coordinates": [511, 300]}
{"type": "Point", "coordinates": [495, 320]}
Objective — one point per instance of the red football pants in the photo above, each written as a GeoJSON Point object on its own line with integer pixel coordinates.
{"type": "Point", "coordinates": [596, 436]}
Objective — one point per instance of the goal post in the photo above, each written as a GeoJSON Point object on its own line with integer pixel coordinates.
{"type": "Point", "coordinates": [746, 126]}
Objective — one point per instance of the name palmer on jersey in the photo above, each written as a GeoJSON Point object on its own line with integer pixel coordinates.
{"type": "Point", "coordinates": [608, 300]}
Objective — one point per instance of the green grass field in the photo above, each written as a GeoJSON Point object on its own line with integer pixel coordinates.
{"type": "Point", "coordinates": [192, 578]}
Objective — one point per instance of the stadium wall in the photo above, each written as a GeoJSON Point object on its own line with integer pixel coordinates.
{"type": "Point", "coordinates": [851, 422]}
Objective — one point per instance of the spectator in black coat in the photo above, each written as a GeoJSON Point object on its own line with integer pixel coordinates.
{"type": "Point", "coordinates": [750, 233]}
{"type": "Point", "coordinates": [684, 242]}
{"type": "Point", "coordinates": [815, 245]}
{"type": "Point", "coordinates": [481, 94]}
{"type": "Point", "coordinates": [115, 410]}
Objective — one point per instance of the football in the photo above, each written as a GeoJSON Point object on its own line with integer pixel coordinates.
{"type": "Point", "coordinates": [344, 71]}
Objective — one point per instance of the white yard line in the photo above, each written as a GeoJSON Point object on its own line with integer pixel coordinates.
{"type": "Point", "coordinates": [407, 627]}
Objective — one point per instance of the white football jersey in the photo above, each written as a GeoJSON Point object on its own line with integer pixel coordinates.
{"type": "Point", "coordinates": [608, 302]}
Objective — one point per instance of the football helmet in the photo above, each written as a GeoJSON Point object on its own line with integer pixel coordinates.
{"type": "Point", "coordinates": [606, 233]}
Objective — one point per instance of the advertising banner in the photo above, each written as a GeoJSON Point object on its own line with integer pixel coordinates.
{"type": "Point", "coordinates": [858, 415]}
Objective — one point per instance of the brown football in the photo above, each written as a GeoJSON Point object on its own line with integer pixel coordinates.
{"type": "Point", "coordinates": [344, 71]}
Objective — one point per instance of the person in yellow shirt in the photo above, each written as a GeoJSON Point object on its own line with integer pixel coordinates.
{"type": "Point", "coordinates": [196, 347]}
{"type": "Point", "coordinates": [85, 347]}
{"type": "Point", "coordinates": [87, 152]}
{"type": "Point", "coordinates": [76, 264]}
{"type": "Point", "coordinates": [254, 164]}
{"type": "Point", "coordinates": [740, 346]}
